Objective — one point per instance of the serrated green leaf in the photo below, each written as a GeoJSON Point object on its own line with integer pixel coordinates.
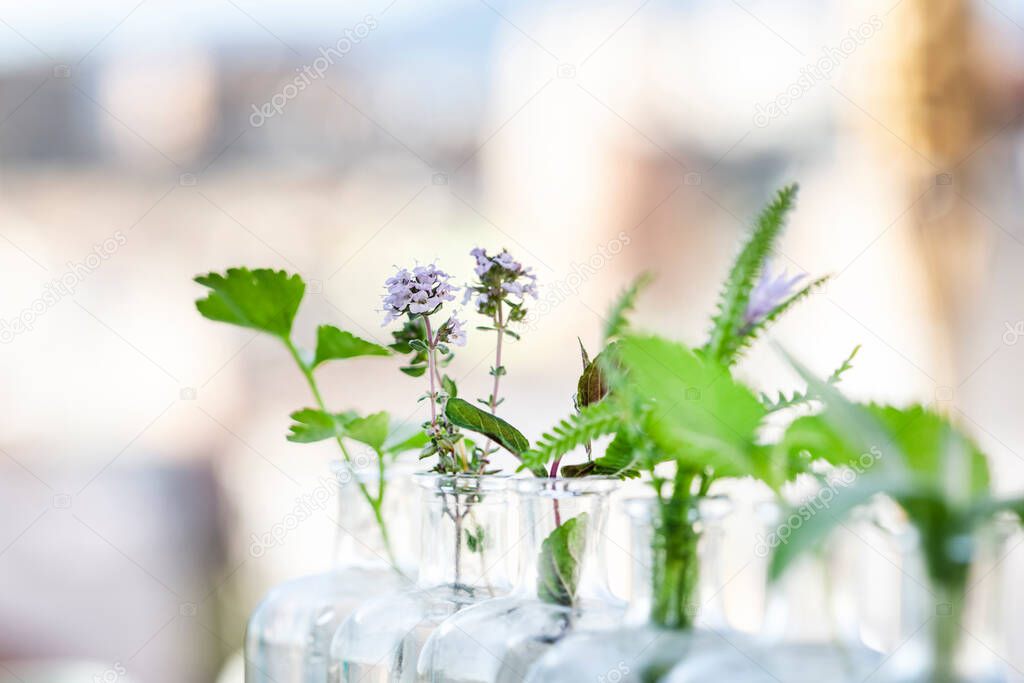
{"type": "Point", "coordinates": [734, 347]}
{"type": "Point", "coordinates": [558, 567]}
{"type": "Point", "coordinates": [466, 415]}
{"type": "Point", "coordinates": [371, 430]}
{"type": "Point", "coordinates": [735, 295]}
{"type": "Point", "coordinates": [617, 324]}
{"type": "Point", "coordinates": [261, 299]}
{"type": "Point", "coordinates": [312, 424]}
{"type": "Point", "coordinates": [698, 414]}
{"type": "Point", "coordinates": [335, 344]}
{"type": "Point", "coordinates": [574, 431]}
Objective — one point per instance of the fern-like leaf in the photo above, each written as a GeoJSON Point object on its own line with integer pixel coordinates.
{"type": "Point", "coordinates": [801, 397]}
{"type": "Point", "coordinates": [576, 430]}
{"type": "Point", "coordinates": [735, 294]}
{"type": "Point", "coordinates": [617, 323]}
{"type": "Point", "coordinates": [748, 334]}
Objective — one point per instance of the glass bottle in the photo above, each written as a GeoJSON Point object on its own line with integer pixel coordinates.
{"type": "Point", "coordinates": [288, 637]}
{"type": "Point", "coordinates": [463, 561]}
{"type": "Point", "coordinates": [676, 608]}
{"type": "Point", "coordinates": [956, 629]}
{"type": "Point", "coordinates": [498, 640]}
{"type": "Point", "coordinates": [810, 630]}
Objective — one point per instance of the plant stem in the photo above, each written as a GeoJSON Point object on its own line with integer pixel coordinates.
{"type": "Point", "coordinates": [375, 502]}
{"type": "Point", "coordinates": [499, 325]}
{"type": "Point", "coordinates": [431, 371]}
{"type": "Point", "coordinates": [675, 569]}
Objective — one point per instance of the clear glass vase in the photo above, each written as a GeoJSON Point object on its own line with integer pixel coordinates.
{"type": "Point", "coordinates": [955, 624]}
{"type": "Point", "coordinates": [810, 630]}
{"type": "Point", "coordinates": [677, 605]}
{"type": "Point", "coordinates": [463, 560]}
{"type": "Point", "coordinates": [498, 640]}
{"type": "Point", "coordinates": [288, 637]}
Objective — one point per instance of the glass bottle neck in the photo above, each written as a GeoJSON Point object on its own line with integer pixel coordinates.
{"type": "Point", "coordinates": [562, 526]}
{"type": "Point", "coordinates": [955, 625]}
{"type": "Point", "coordinates": [676, 568]}
{"type": "Point", "coordinates": [464, 533]}
{"type": "Point", "coordinates": [359, 541]}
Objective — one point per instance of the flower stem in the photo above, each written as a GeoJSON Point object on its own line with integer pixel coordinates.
{"type": "Point", "coordinates": [375, 502]}
{"type": "Point", "coordinates": [499, 325]}
{"type": "Point", "coordinates": [431, 371]}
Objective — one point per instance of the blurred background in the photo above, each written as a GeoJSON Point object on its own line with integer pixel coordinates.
{"type": "Point", "coordinates": [144, 142]}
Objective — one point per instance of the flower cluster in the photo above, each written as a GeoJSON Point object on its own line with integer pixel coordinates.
{"type": "Point", "coordinates": [769, 292]}
{"type": "Point", "coordinates": [420, 292]}
{"type": "Point", "coordinates": [499, 278]}
{"type": "Point", "coordinates": [453, 332]}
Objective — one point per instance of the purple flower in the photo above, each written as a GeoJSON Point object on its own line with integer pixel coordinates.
{"type": "Point", "coordinates": [421, 291]}
{"type": "Point", "coordinates": [453, 332]}
{"type": "Point", "coordinates": [769, 292]}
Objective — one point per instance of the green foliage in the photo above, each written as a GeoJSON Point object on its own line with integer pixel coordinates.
{"type": "Point", "coordinates": [261, 299]}
{"type": "Point", "coordinates": [448, 384]}
{"type": "Point", "coordinates": [411, 340]}
{"type": "Point", "coordinates": [934, 471]}
{"type": "Point", "coordinates": [617, 323]}
{"type": "Point", "coordinates": [619, 460]}
{"type": "Point", "coordinates": [698, 413]}
{"type": "Point", "coordinates": [728, 321]}
{"type": "Point", "coordinates": [801, 397]}
{"type": "Point", "coordinates": [371, 430]}
{"type": "Point", "coordinates": [332, 344]}
{"type": "Point", "coordinates": [475, 540]}
{"type": "Point", "coordinates": [558, 567]}
{"type": "Point", "coordinates": [312, 424]}
{"type": "Point", "coordinates": [593, 382]}
{"type": "Point", "coordinates": [464, 414]}
{"type": "Point", "coordinates": [572, 432]}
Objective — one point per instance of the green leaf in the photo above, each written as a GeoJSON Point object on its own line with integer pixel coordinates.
{"type": "Point", "coordinates": [371, 430]}
{"type": "Point", "coordinates": [735, 294]}
{"type": "Point", "coordinates": [617, 323]}
{"type": "Point", "coordinates": [558, 567]}
{"type": "Point", "coordinates": [572, 432]}
{"type": "Point", "coordinates": [698, 413]}
{"type": "Point", "coordinates": [261, 299]}
{"type": "Point", "coordinates": [448, 384]}
{"type": "Point", "coordinates": [466, 415]}
{"type": "Point", "coordinates": [402, 441]}
{"type": "Point", "coordinates": [593, 383]}
{"type": "Point", "coordinates": [312, 424]}
{"type": "Point", "coordinates": [806, 396]}
{"type": "Point", "coordinates": [619, 460]}
{"type": "Point", "coordinates": [335, 344]}
{"type": "Point", "coordinates": [414, 370]}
